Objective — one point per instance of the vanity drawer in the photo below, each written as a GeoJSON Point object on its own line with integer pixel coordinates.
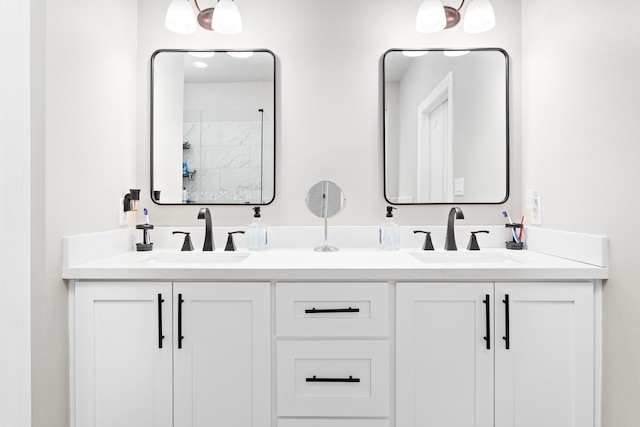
{"type": "Point", "coordinates": [333, 379]}
{"type": "Point", "coordinates": [332, 309]}
{"type": "Point", "coordinates": [334, 422]}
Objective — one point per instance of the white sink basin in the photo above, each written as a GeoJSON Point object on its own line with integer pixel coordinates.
{"type": "Point", "coordinates": [194, 258]}
{"type": "Point", "coordinates": [465, 257]}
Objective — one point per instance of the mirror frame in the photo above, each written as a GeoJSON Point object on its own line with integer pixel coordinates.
{"type": "Point", "coordinates": [151, 122]}
{"type": "Point", "coordinates": [507, 124]}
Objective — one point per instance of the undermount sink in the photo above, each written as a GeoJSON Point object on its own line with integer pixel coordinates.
{"type": "Point", "coordinates": [465, 257]}
{"type": "Point", "coordinates": [194, 258]}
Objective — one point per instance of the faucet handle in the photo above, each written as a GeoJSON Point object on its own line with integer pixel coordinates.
{"type": "Point", "coordinates": [231, 246]}
{"type": "Point", "coordinates": [473, 241]}
{"type": "Point", "coordinates": [186, 245]}
{"type": "Point", "coordinates": [428, 244]}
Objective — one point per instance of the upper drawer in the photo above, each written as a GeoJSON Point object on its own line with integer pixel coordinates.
{"type": "Point", "coordinates": [332, 309]}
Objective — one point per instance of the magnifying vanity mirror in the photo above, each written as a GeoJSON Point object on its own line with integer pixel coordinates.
{"type": "Point", "coordinates": [213, 127]}
{"type": "Point", "coordinates": [446, 126]}
{"type": "Point", "coordinates": [325, 199]}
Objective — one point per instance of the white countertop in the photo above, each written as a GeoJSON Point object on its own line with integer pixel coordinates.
{"type": "Point", "coordinates": [346, 264]}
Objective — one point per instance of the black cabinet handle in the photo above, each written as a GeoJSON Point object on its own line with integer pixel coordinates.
{"type": "Point", "coordinates": [160, 334]}
{"type": "Point", "coordinates": [180, 337]}
{"type": "Point", "coordinates": [506, 338]}
{"type": "Point", "coordinates": [487, 309]}
{"type": "Point", "coordinates": [333, 380]}
{"type": "Point", "coordinates": [333, 310]}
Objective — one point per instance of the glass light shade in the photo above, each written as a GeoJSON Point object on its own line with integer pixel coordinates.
{"type": "Point", "coordinates": [226, 18]}
{"type": "Point", "coordinates": [414, 53]}
{"type": "Point", "coordinates": [479, 17]}
{"type": "Point", "coordinates": [180, 17]}
{"type": "Point", "coordinates": [431, 17]}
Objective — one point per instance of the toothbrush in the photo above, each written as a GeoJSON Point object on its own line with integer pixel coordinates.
{"type": "Point", "coordinates": [146, 216]}
{"type": "Point", "coordinates": [521, 228]}
{"type": "Point", "coordinates": [513, 230]}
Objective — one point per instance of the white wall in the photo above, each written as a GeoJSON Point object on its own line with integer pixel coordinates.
{"type": "Point", "coordinates": [581, 133]}
{"type": "Point", "coordinates": [329, 101]}
{"type": "Point", "coordinates": [91, 136]}
{"type": "Point", "coordinates": [84, 138]}
{"type": "Point", "coordinates": [15, 181]}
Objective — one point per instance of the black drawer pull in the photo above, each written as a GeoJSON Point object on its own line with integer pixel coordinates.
{"type": "Point", "coordinates": [333, 380]}
{"type": "Point", "coordinates": [487, 312]}
{"type": "Point", "coordinates": [506, 337]}
{"type": "Point", "coordinates": [160, 333]}
{"type": "Point", "coordinates": [333, 310]}
{"type": "Point", "coordinates": [180, 336]}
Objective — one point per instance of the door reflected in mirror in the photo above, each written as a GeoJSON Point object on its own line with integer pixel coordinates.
{"type": "Point", "coordinates": [446, 126]}
{"type": "Point", "coordinates": [213, 127]}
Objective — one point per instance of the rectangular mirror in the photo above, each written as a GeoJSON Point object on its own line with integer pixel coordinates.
{"type": "Point", "coordinates": [446, 126]}
{"type": "Point", "coordinates": [213, 127]}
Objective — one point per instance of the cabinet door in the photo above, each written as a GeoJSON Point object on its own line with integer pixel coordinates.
{"type": "Point", "coordinates": [444, 355]}
{"type": "Point", "coordinates": [222, 352]}
{"type": "Point", "coordinates": [123, 366]}
{"type": "Point", "coordinates": [544, 354]}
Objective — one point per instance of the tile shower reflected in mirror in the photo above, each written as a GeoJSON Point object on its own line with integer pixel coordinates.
{"type": "Point", "coordinates": [213, 127]}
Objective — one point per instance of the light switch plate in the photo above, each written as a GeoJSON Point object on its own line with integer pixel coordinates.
{"type": "Point", "coordinates": [458, 187]}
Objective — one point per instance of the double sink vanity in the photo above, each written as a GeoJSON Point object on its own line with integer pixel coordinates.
{"type": "Point", "coordinates": [355, 337]}
{"type": "Point", "coordinates": [359, 337]}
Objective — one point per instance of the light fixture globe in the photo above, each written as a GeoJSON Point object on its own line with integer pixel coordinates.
{"type": "Point", "coordinates": [479, 17]}
{"type": "Point", "coordinates": [180, 17]}
{"type": "Point", "coordinates": [431, 17]}
{"type": "Point", "coordinates": [226, 18]}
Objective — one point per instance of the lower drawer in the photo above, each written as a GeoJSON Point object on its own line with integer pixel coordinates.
{"type": "Point", "coordinates": [333, 379]}
{"type": "Point", "coordinates": [334, 422]}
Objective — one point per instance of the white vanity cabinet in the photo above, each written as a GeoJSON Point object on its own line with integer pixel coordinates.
{"type": "Point", "coordinates": [503, 354]}
{"type": "Point", "coordinates": [123, 367]}
{"type": "Point", "coordinates": [222, 356]}
{"type": "Point", "coordinates": [333, 354]}
{"type": "Point", "coordinates": [213, 366]}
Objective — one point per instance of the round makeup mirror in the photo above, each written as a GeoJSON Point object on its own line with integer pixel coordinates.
{"type": "Point", "coordinates": [325, 199]}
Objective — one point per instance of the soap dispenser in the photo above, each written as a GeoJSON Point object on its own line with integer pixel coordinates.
{"type": "Point", "coordinates": [256, 233]}
{"type": "Point", "coordinates": [389, 232]}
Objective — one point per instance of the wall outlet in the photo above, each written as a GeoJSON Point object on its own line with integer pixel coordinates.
{"type": "Point", "coordinates": [536, 211]}
{"type": "Point", "coordinates": [122, 215]}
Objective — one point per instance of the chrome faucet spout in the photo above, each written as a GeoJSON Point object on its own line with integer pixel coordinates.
{"type": "Point", "coordinates": [450, 242]}
{"type": "Point", "coordinates": [208, 232]}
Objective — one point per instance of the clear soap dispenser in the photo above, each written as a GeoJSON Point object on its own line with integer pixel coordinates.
{"type": "Point", "coordinates": [256, 233]}
{"type": "Point", "coordinates": [389, 232]}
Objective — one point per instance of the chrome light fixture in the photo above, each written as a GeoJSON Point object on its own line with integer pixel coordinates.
{"type": "Point", "coordinates": [433, 16]}
{"type": "Point", "coordinates": [224, 18]}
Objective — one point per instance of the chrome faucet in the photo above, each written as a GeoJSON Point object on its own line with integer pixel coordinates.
{"type": "Point", "coordinates": [450, 242]}
{"type": "Point", "coordinates": [208, 232]}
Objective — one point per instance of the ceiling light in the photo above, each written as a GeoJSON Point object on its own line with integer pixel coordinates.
{"type": "Point", "coordinates": [236, 54]}
{"type": "Point", "coordinates": [224, 18]}
{"type": "Point", "coordinates": [199, 64]}
{"type": "Point", "coordinates": [433, 16]}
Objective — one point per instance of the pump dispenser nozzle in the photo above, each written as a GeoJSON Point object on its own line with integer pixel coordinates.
{"type": "Point", "coordinates": [390, 211]}
{"type": "Point", "coordinates": [256, 211]}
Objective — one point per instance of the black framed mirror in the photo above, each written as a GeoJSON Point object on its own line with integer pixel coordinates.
{"type": "Point", "coordinates": [213, 117]}
{"type": "Point", "coordinates": [446, 126]}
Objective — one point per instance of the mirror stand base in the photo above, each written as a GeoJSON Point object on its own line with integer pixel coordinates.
{"type": "Point", "coordinates": [326, 248]}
